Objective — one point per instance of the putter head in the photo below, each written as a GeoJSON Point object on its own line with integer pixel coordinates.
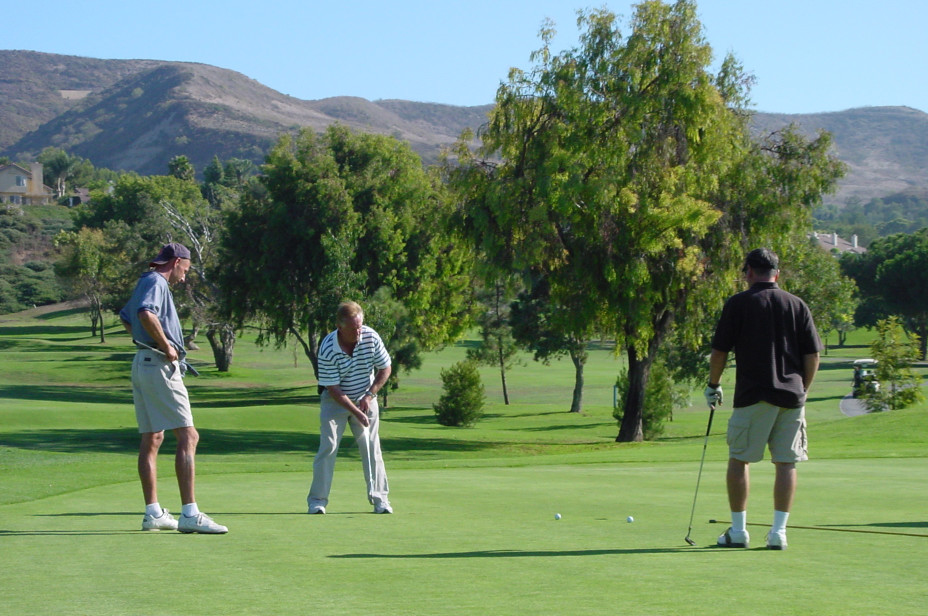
{"type": "Point", "coordinates": [689, 541]}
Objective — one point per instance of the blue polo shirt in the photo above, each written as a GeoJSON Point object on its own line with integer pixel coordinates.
{"type": "Point", "coordinates": [152, 293]}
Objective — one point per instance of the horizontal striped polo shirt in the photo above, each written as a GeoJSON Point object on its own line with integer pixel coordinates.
{"type": "Point", "coordinates": [353, 373]}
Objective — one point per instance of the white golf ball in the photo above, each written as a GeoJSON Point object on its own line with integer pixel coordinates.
{"type": "Point", "coordinates": [557, 516]}
{"type": "Point", "coordinates": [629, 519]}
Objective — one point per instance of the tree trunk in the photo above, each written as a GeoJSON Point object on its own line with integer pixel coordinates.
{"type": "Point", "coordinates": [190, 341]}
{"type": "Point", "coordinates": [502, 370]}
{"type": "Point", "coordinates": [222, 340]}
{"type": "Point", "coordinates": [576, 404]}
{"type": "Point", "coordinates": [923, 338]}
{"type": "Point", "coordinates": [310, 347]}
{"type": "Point", "coordinates": [639, 369]}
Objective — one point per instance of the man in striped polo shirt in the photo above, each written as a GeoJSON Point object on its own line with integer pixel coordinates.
{"type": "Point", "coordinates": [353, 366]}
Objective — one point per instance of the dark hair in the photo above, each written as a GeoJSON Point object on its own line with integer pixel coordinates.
{"type": "Point", "coordinates": [762, 260]}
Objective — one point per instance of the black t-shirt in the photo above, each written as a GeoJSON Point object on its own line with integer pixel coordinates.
{"type": "Point", "coordinates": [770, 331]}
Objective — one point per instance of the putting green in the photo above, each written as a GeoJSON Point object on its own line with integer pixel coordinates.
{"type": "Point", "coordinates": [476, 540]}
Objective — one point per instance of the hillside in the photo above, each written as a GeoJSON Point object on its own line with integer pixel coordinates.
{"type": "Point", "coordinates": [885, 148]}
{"type": "Point", "coordinates": [138, 114]}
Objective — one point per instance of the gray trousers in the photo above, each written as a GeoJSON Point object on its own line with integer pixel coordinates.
{"type": "Point", "coordinates": [333, 418]}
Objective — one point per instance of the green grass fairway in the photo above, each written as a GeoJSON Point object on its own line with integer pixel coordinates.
{"type": "Point", "coordinates": [474, 530]}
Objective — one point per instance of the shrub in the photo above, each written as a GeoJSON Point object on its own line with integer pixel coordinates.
{"type": "Point", "coordinates": [461, 404]}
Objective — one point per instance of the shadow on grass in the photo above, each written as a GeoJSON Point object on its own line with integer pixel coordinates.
{"type": "Point", "coordinates": [202, 397]}
{"type": "Point", "coordinates": [883, 525]}
{"type": "Point", "coordinates": [522, 553]}
{"type": "Point", "coordinates": [228, 442]}
{"type": "Point", "coordinates": [55, 346]}
{"type": "Point", "coordinates": [65, 533]}
{"type": "Point", "coordinates": [67, 393]}
{"type": "Point", "coordinates": [43, 331]}
{"type": "Point", "coordinates": [224, 397]}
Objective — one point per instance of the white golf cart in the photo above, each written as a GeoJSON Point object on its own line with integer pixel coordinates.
{"type": "Point", "coordinates": [865, 381]}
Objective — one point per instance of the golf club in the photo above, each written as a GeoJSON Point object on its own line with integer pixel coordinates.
{"type": "Point", "coordinates": [365, 441]}
{"type": "Point", "coordinates": [192, 370]}
{"type": "Point", "coordinates": [840, 530]}
{"type": "Point", "coordinates": [699, 476]}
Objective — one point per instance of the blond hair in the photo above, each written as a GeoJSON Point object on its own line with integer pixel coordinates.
{"type": "Point", "coordinates": [348, 310]}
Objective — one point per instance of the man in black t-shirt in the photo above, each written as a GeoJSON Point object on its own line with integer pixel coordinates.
{"type": "Point", "coordinates": [777, 350]}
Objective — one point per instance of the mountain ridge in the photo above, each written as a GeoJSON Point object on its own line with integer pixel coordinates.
{"type": "Point", "coordinates": [138, 114]}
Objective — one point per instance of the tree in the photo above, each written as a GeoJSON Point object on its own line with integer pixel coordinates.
{"type": "Point", "coordinates": [815, 275]}
{"type": "Point", "coordinates": [91, 264]}
{"type": "Point", "coordinates": [138, 215]}
{"type": "Point", "coordinates": [343, 215]}
{"type": "Point", "coordinates": [893, 280]}
{"type": "Point", "coordinates": [627, 171]}
{"type": "Point", "coordinates": [62, 170]}
{"type": "Point", "coordinates": [550, 329]}
{"type": "Point", "coordinates": [899, 385]}
{"type": "Point", "coordinates": [496, 347]}
{"type": "Point", "coordinates": [181, 168]}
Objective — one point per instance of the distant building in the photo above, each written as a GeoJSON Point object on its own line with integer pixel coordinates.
{"type": "Point", "coordinates": [24, 186]}
{"type": "Point", "coordinates": [831, 242]}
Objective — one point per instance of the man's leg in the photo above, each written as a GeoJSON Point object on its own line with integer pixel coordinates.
{"type": "Point", "coordinates": [372, 459]}
{"type": "Point", "coordinates": [738, 481]}
{"type": "Point", "coordinates": [184, 466]}
{"type": "Point", "coordinates": [784, 487]}
{"type": "Point", "coordinates": [148, 465]}
{"type": "Point", "coordinates": [332, 421]}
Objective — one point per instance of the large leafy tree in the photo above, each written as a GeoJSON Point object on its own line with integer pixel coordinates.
{"type": "Point", "coordinates": [893, 280]}
{"type": "Point", "coordinates": [343, 215]}
{"type": "Point", "coordinates": [627, 172]}
{"type": "Point", "coordinates": [140, 214]}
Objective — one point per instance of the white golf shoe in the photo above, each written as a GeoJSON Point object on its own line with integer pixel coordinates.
{"type": "Point", "coordinates": [734, 539]}
{"type": "Point", "coordinates": [776, 540]}
{"type": "Point", "coordinates": [316, 508]}
{"type": "Point", "coordinates": [200, 523]}
{"type": "Point", "coordinates": [163, 522]}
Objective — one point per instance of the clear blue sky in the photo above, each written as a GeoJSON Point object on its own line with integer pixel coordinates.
{"type": "Point", "coordinates": [807, 55]}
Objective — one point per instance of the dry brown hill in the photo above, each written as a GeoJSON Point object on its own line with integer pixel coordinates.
{"type": "Point", "coordinates": [138, 114]}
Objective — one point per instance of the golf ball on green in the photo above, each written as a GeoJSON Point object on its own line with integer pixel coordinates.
{"type": "Point", "coordinates": [557, 516]}
{"type": "Point", "coordinates": [629, 519]}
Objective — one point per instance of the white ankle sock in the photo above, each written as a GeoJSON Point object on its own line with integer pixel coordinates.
{"type": "Point", "coordinates": [779, 521]}
{"type": "Point", "coordinates": [154, 510]}
{"type": "Point", "coordinates": [190, 510]}
{"type": "Point", "coordinates": [739, 520]}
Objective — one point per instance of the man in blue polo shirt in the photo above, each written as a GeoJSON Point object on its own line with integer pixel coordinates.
{"type": "Point", "coordinates": [776, 350]}
{"type": "Point", "coordinates": [158, 390]}
{"type": "Point", "coordinates": [353, 366]}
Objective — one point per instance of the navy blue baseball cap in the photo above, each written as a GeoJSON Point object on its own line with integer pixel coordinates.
{"type": "Point", "coordinates": [169, 252]}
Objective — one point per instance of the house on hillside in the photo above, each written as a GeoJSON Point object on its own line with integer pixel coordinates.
{"type": "Point", "coordinates": [24, 186]}
{"type": "Point", "coordinates": [832, 243]}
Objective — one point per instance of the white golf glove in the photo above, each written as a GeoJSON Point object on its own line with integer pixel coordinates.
{"type": "Point", "coordinates": [713, 395]}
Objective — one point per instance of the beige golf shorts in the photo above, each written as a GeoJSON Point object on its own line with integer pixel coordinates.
{"type": "Point", "coordinates": [752, 428]}
{"type": "Point", "coordinates": [159, 393]}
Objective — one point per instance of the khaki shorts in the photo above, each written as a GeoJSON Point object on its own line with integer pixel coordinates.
{"type": "Point", "coordinates": [752, 428]}
{"type": "Point", "coordinates": [161, 401]}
